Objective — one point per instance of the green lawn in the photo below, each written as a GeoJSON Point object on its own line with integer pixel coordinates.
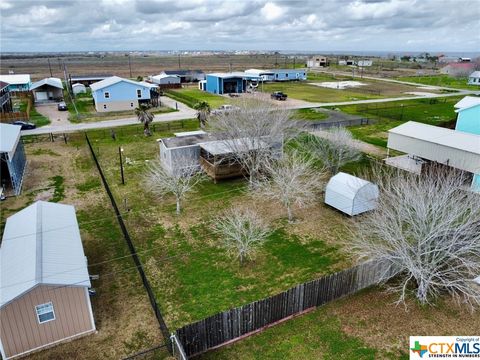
{"type": "Point", "coordinates": [309, 114]}
{"type": "Point", "coordinates": [388, 115]}
{"type": "Point", "coordinates": [441, 80]}
{"type": "Point", "coordinates": [190, 96]}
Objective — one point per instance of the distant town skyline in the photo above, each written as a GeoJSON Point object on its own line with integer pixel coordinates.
{"type": "Point", "coordinates": [340, 25]}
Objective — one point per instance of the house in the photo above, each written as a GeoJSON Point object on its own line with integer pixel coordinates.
{"type": "Point", "coordinates": [458, 69]}
{"type": "Point", "coordinates": [317, 61]}
{"type": "Point", "coordinates": [474, 78]}
{"type": "Point", "coordinates": [47, 89]}
{"type": "Point", "coordinates": [468, 119]}
{"type": "Point", "coordinates": [5, 100]}
{"type": "Point", "coordinates": [87, 80]}
{"type": "Point", "coordinates": [289, 74]}
{"type": "Point", "coordinates": [264, 75]}
{"type": "Point", "coordinates": [17, 82]}
{"type": "Point", "coordinates": [424, 144]}
{"type": "Point", "coordinates": [117, 94]}
{"type": "Point", "coordinates": [467, 101]}
{"type": "Point", "coordinates": [79, 88]}
{"type": "Point", "coordinates": [364, 63]}
{"type": "Point", "coordinates": [351, 195]}
{"type": "Point", "coordinates": [44, 280]}
{"type": "Point", "coordinates": [164, 79]}
{"type": "Point", "coordinates": [185, 146]}
{"type": "Point", "coordinates": [228, 83]}
{"type": "Point", "coordinates": [186, 75]}
{"type": "Point", "coordinates": [12, 158]}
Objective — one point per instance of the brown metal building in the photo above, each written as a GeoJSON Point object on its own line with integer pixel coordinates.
{"type": "Point", "coordinates": [44, 280]}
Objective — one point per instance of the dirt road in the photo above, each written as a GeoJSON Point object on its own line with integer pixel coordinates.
{"type": "Point", "coordinates": [57, 118]}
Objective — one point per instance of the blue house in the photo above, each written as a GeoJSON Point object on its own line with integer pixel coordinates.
{"type": "Point", "coordinates": [17, 82]}
{"type": "Point", "coordinates": [117, 94]}
{"type": "Point", "coordinates": [289, 74]}
{"type": "Point", "coordinates": [468, 119]}
{"type": "Point", "coordinates": [228, 83]}
{"type": "Point", "coordinates": [12, 158]}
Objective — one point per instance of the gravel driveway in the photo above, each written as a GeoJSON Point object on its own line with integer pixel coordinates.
{"type": "Point", "coordinates": [57, 118]}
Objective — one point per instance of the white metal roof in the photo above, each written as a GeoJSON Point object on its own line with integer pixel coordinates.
{"type": "Point", "coordinates": [467, 102]}
{"type": "Point", "coordinates": [475, 74]}
{"type": "Point", "coordinates": [163, 76]}
{"type": "Point", "coordinates": [41, 245]}
{"type": "Point", "coordinates": [189, 133]}
{"type": "Point", "coordinates": [438, 135]}
{"type": "Point", "coordinates": [236, 74]}
{"type": "Point", "coordinates": [221, 147]}
{"type": "Point", "coordinates": [149, 85]}
{"type": "Point", "coordinates": [259, 72]}
{"type": "Point", "coordinates": [346, 184]}
{"type": "Point", "coordinates": [78, 85]}
{"type": "Point", "coordinates": [55, 82]}
{"type": "Point", "coordinates": [111, 81]}
{"type": "Point", "coordinates": [9, 138]}
{"type": "Point", "coordinates": [16, 79]}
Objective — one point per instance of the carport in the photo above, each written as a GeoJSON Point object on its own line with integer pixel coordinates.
{"type": "Point", "coordinates": [13, 160]}
{"type": "Point", "coordinates": [47, 89]}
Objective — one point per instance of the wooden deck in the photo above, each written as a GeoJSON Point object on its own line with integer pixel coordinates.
{"type": "Point", "coordinates": [223, 170]}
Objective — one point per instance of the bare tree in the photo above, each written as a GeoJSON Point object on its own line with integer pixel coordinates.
{"type": "Point", "coordinates": [255, 133]}
{"type": "Point", "coordinates": [243, 231]}
{"type": "Point", "coordinates": [293, 181]}
{"type": "Point", "coordinates": [427, 228]}
{"type": "Point", "coordinates": [334, 148]}
{"type": "Point", "coordinates": [179, 182]}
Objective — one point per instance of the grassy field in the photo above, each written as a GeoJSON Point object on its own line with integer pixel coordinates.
{"type": "Point", "coordinates": [440, 80]}
{"type": "Point", "coordinates": [191, 95]}
{"type": "Point", "coordinates": [200, 279]}
{"type": "Point", "coordinates": [309, 114]}
{"type": "Point", "coordinates": [388, 115]}
{"type": "Point", "coordinates": [65, 173]}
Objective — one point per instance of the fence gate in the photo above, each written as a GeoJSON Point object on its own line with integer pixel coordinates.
{"type": "Point", "coordinates": [177, 348]}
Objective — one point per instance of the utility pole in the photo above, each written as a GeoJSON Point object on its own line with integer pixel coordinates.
{"type": "Point", "coordinates": [120, 150]}
{"type": "Point", "coordinates": [230, 66]}
{"type": "Point", "coordinates": [130, 65]}
{"type": "Point", "coordinates": [285, 61]}
{"type": "Point", "coordinates": [50, 67]}
{"type": "Point", "coordinates": [294, 60]}
{"type": "Point", "coordinates": [68, 87]}
{"type": "Point", "coordinates": [179, 64]}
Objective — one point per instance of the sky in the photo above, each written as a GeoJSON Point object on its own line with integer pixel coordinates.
{"type": "Point", "coordinates": [307, 25]}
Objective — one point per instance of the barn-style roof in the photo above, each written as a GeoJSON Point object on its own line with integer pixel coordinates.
{"type": "Point", "coordinates": [55, 82]}
{"type": "Point", "coordinates": [41, 244]}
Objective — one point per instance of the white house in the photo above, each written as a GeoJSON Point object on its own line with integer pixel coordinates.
{"type": "Point", "coordinates": [351, 195]}
{"type": "Point", "coordinates": [474, 78]}
{"type": "Point", "coordinates": [364, 63]}
{"type": "Point", "coordinates": [164, 79]}
{"type": "Point", "coordinates": [317, 61]}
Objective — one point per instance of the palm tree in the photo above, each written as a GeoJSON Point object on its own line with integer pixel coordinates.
{"type": "Point", "coordinates": [145, 117]}
{"type": "Point", "coordinates": [203, 109]}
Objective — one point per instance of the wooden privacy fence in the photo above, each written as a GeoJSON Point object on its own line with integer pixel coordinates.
{"type": "Point", "coordinates": [232, 324]}
{"type": "Point", "coordinates": [13, 116]}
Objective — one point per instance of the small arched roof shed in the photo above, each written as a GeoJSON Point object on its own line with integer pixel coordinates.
{"type": "Point", "coordinates": [350, 194]}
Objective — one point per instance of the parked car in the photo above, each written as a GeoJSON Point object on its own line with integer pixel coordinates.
{"type": "Point", "coordinates": [224, 109]}
{"type": "Point", "coordinates": [25, 125]}
{"type": "Point", "coordinates": [62, 106]}
{"type": "Point", "coordinates": [278, 95]}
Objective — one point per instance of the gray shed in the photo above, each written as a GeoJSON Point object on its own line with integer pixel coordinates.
{"type": "Point", "coordinates": [351, 195]}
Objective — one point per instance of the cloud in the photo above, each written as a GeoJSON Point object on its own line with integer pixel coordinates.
{"type": "Point", "coordinates": [423, 25]}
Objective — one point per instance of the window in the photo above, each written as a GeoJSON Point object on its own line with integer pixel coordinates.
{"type": "Point", "coordinates": [286, 75]}
{"type": "Point", "coordinates": [107, 95]}
{"type": "Point", "coordinates": [104, 106]}
{"type": "Point", "coordinates": [139, 93]}
{"type": "Point", "coordinates": [45, 312]}
{"type": "Point", "coordinates": [131, 104]}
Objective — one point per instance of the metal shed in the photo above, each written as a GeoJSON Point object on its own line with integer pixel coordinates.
{"type": "Point", "coordinates": [350, 194]}
{"type": "Point", "coordinates": [47, 89]}
{"type": "Point", "coordinates": [12, 157]}
{"type": "Point", "coordinates": [44, 280]}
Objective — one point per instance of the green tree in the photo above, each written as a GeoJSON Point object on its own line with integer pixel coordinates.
{"type": "Point", "coordinates": [203, 109]}
{"type": "Point", "coordinates": [145, 117]}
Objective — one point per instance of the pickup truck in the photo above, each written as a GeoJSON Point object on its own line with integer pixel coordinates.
{"type": "Point", "coordinates": [278, 95]}
{"type": "Point", "coordinates": [224, 109]}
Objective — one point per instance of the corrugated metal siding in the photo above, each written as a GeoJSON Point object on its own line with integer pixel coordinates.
{"type": "Point", "coordinates": [20, 330]}
{"type": "Point", "coordinates": [456, 158]}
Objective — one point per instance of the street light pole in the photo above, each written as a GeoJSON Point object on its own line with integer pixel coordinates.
{"type": "Point", "coordinates": [120, 150]}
